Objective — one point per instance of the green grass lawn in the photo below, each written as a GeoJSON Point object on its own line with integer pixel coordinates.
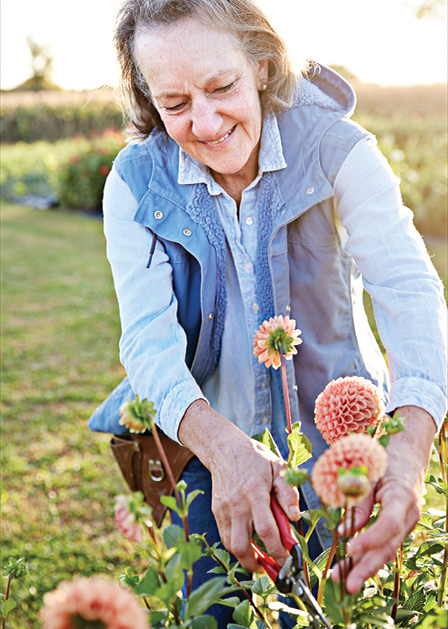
{"type": "Point", "coordinates": [60, 359]}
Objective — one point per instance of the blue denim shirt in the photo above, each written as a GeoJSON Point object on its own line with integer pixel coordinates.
{"type": "Point", "coordinates": [317, 271]}
{"type": "Point", "coordinates": [238, 369]}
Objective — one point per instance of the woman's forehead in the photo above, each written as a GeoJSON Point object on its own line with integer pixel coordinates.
{"type": "Point", "coordinates": [186, 49]}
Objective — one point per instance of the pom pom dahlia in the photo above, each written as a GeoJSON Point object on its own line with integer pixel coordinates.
{"type": "Point", "coordinates": [359, 451]}
{"type": "Point", "coordinates": [83, 601]}
{"type": "Point", "coordinates": [278, 331]}
{"type": "Point", "coordinates": [347, 405]}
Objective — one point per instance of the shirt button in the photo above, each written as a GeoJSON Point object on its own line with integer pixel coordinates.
{"type": "Point", "coordinates": [158, 214]}
{"type": "Point", "coordinates": [309, 190]}
{"type": "Point", "coordinates": [295, 387]}
{"type": "Point", "coordinates": [249, 220]}
{"type": "Point", "coordinates": [255, 307]}
{"type": "Point", "coordinates": [210, 316]}
{"type": "Point", "coordinates": [186, 232]}
{"type": "Point", "coordinates": [288, 309]}
{"type": "Point", "coordinates": [265, 420]}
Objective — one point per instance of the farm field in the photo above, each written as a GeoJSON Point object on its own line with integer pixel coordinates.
{"type": "Point", "coordinates": [60, 342]}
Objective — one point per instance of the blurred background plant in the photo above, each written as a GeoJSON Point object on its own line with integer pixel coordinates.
{"type": "Point", "coordinates": [61, 143]}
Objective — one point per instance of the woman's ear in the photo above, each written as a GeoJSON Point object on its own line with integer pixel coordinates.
{"type": "Point", "coordinates": [263, 71]}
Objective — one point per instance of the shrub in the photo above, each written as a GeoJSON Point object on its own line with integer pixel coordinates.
{"type": "Point", "coordinates": [80, 180]}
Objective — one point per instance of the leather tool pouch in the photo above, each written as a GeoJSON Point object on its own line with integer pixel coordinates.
{"type": "Point", "coordinates": [143, 470]}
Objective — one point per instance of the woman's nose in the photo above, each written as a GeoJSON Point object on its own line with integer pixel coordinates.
{"type": "Point", "coordinates": [206, 121]}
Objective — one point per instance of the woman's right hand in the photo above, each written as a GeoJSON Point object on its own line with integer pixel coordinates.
{"type": "Point", "coordinates": [244, 474]}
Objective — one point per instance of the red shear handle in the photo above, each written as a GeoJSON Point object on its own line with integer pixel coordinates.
{"type": "Point", "coordinates": [286, 535]}
{"type": "Point", "coordinates": [269, 564]}
{"type": "Point", "coordinates": [284, 526]}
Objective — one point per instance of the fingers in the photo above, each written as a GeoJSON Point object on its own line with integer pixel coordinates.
{"type": "Point", "coordinates": [239, 507]}
{"type": "Point", "coordinates": [287, 495]}
{"type": "Point", "coordinates": [378, 544]}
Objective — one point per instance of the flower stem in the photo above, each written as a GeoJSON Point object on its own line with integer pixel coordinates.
{"type": "Point", "coordinates": [285, 390]}
{"type": "Point", "coordinates": [396, 593]}
{"type": "Point", "coordinates": [169, 471]}
{"type": "Point", "coordinates": [245, 592]}
{"type": "Point", "coordinates": [320, 593]}
{"type": "Point", "coordinates": [6, 598]}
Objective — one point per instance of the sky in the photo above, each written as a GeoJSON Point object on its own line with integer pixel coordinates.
{"type": "Point", "coordinates": [380, 41]}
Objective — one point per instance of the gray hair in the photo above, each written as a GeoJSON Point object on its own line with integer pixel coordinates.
{"type": "Point", "coordinates": [242, 19]}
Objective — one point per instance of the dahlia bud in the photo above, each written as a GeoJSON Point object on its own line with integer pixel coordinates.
{"type": "Point", "coordinates": [353, 483]}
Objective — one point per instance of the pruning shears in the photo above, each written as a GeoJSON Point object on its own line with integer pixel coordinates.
{"type": "Point", "coordinates": [289, 579]}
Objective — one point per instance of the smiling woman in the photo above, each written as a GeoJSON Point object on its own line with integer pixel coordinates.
{"type": "Point", "coordinates": [206, 92]}
{"type": "Point", "coordinates": [227, 209]}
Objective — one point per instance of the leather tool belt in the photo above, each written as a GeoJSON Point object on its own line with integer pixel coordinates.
{"type": "Point", "coordinates": [143, 470]}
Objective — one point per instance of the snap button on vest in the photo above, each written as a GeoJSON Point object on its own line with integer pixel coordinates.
{"type": "Point", "coordinates": [158, 214]}
{"type": "Point", "coordinates": [186, 232]}
{"type": "Point", "coordinates": [309, 190]}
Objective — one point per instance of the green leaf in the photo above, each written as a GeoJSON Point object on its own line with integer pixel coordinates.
{"type": "Point", "coordinates": [204, 622]}
{"type": "Point", "coordinates": [230, 601]}
{"type": "Point", "coordinates": [267, 439]}
{"type": "Point", "coordinates": [204, 596]}
{"type": "Point", "coordinates": [192, 495]}
{"type": "Point", "coordinates": [172, 535]}
{"type": "Point", "coordinates": [149, 584]}
{"type": "Point", "coordinates": [171, 503]}
{"type": "Point", "coordinates": [175, 578]}
{"type": "Point", "coordinates": [332, 602]}
{"type": "Point", "coordinates": [190, 553]}
{"type": "Point", "coordinates": [311, 518]}
{"type": "Point", "coordinates": [243, 614]}
{"type": "Point", "coordinates": [159, 618]}
{"type": "Point", "coordinates": [300, 448]}
{"type": "Point", "coordinates": [263, 587]}
{"type": "Point", "coordinates": [378, 620]}
{"type": "Point", "coordinates": [416, 601]}
{"type": "Point", "coordinates": [223, 557]}
{"type": "Point", "coordinates": [8, 606]}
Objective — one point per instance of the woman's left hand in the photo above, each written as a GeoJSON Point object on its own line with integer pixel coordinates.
{"type": "Point", "coordinates": [399, 494]}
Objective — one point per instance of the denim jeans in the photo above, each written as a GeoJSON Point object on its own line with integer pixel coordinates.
{"type": "Point", "coordinates": [201, 520]}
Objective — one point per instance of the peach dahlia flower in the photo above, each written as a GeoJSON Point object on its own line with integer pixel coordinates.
{"type": "Point", "coordinates": [347, 405]}
{"type": "Point", "coordinates": [92, 599]}
{"type": "Point", "coordinates": [125, 519]}
{"type": "Point", "coordinates": [353, 451]}
{"type": "Point", "coordinates": [270, 335]}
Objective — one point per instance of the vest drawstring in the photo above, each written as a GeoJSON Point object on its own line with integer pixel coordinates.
{"type": "Point", "coordinates": [151, 251]}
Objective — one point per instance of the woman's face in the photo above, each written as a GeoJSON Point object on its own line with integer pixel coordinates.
{"type": "Point", "coordinates": [206, 91]}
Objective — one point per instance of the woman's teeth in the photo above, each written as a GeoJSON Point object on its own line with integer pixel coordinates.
{"type": "Point", "coordinates": [221, 139]}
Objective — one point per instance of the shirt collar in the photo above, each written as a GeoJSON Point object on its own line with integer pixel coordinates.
{"type": "Point", "coordinates": [270, 157]}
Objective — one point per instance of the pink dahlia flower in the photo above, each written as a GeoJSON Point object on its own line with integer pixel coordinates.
{"type": "Point", "coordinates": [270, 335]}
{"type": "Point", "coordinates": [126, 520]}
{"type": "Point", "coordinates": [360, 451]}
{"type": "Point", "coordinates": [347, 405]}
{"type": "Point", "coordinates": [92, 599]}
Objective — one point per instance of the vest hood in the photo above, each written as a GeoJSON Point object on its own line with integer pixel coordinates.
{"type": "Point", "coordinates": [327, 89]}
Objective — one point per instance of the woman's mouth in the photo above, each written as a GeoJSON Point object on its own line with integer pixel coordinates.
{"type": "Point", "coordinates": [224, 137]}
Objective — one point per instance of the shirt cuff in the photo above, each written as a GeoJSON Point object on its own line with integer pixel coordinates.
{"type": "Point", "coordinates": [413, 391]}
{"type": "Point", "coordinates": [175, 405]}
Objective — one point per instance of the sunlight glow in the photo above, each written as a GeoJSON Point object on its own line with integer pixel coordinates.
{"type": "Point", "coordinates": [380, 41]}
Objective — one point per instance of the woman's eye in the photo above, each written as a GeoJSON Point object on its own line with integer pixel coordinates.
{"type": "Point", "coordinates": [226, 88]}
{"type": "Point", "coordinates": [175, 107]}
